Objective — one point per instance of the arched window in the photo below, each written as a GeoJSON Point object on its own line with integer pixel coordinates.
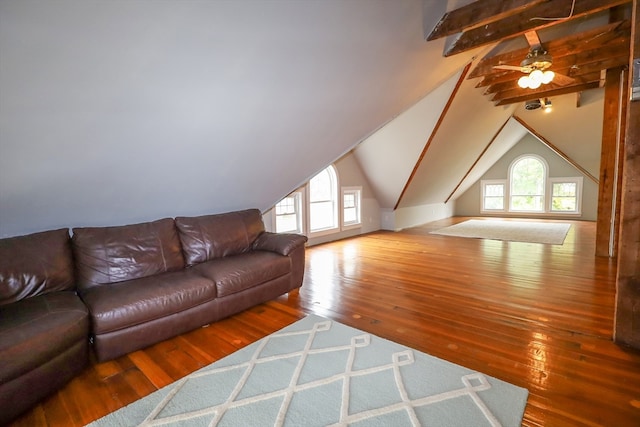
{"type": "Point", "coordinates": [323, 200]}
{"type": "Point", "coordinates": [527, 177]}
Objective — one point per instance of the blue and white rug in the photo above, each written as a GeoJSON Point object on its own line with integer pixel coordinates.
{"type": "Point", "coordinates": [317, 372]}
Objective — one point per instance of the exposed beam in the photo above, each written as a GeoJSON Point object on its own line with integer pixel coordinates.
{"type": "Point", "coordinates": [443, 114]}
{"type": "Point", "coordinates": [476, 14]}
{"type": "Point", "coordinates": [549, 93]}
{"type": "Point", "coordinates": [529, 20]}
{"type": "Point", "coordinates": [613, 126]}
{"type": "Point", "coordinates": [477, 160]}
{"type": "Point", "coordinates": [604, 36]}
{"type": "Point", "coordinates": [555, 149]}
{"type": "Point", "coordinates": [627, 326]}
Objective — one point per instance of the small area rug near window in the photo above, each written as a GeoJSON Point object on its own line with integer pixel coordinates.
{"type": "Point", "coordinates": [552, 233]}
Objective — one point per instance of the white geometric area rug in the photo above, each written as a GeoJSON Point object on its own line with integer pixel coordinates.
{"type": "Point", "coordinates": [317, 372]}
{"type": "Point", "coordinates": [552, 233]}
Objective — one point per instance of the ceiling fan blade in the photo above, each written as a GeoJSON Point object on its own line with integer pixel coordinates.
{"type": "Point", "coordinates": [507, 67]}
{"type": "Point", "coordinates": [562, 80]}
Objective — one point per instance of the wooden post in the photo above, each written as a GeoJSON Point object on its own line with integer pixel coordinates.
{"type": "Point", "coordinates": [611, 162]}
{"type": "Point", "coordinates": [627, 317]}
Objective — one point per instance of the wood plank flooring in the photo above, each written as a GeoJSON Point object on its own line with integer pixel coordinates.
{"type": "Point", "coordinates": [538, 316]}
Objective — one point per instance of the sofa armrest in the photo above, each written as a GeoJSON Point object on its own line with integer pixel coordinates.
{"type": "Point", "coordinates": [281, 243]}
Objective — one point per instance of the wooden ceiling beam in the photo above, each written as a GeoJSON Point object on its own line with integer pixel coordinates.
{"type": "Point", "coordinates": [618, 32]}
{"type": "Point", "coordinates": [546, 93]}
{"type": "Point", "coordinates": [476, 14]}
{"type": "Point", "coordinates": [528, 21]}
{"type": "Point", "coordinates": [555, 149]}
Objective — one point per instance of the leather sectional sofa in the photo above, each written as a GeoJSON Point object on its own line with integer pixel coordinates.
{"type": "Point", "coordinates": [123, 288]}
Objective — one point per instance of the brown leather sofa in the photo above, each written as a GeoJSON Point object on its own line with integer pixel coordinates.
{"type": "Point", "coordinates": [43, 323]}
{"type": "Point", "coordinates": [138, 284]}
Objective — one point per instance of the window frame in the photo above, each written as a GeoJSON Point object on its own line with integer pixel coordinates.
{"type": "Point", "coordinates": [545, 174]}
{"type": "Point", "coordinates": [357, 192]}
{"type": "Point", "coordinates": [578, 180]}
{"type": "Point", "coordinates": [505, 194]}
{"type": "Point", "coordinates": [298, 210]}
{"type": "Point", "coordinates": [335, 227]}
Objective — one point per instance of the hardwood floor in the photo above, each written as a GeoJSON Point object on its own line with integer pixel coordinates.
{"type": "Point", "coordinates": [538, 316]}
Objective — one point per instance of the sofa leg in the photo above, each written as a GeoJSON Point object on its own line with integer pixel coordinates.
{"type": "Point", "coordinates": [294, 294]}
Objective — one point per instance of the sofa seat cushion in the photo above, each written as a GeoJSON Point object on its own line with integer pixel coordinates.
{"type": "Point", "coordinates": [122, 305]}
{"type": "Point", "coordinates": [239, 272]}
{"type": "Point", "coordinates": [35, 330]}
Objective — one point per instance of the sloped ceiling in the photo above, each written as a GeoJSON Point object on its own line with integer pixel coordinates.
{"type": "Point", "coordinates": [477, 128]}
{"type": "Point", "coordinates": [116, 112]}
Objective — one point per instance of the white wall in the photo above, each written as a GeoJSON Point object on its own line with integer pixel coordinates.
{"type": "Point", "coordinates": [114, 112]}
{"type": "Point", "coordinates": [468, 204]}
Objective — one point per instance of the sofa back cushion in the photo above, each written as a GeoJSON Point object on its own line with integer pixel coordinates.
{"type": "Point", "coordinates": [114, 254]}
{"type": "Point", "coordinates": [214, 236]}
{"type": "Point", "coordinates": [35, 264]}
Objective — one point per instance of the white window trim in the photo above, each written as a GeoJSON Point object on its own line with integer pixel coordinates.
{"type": "Point", "coordinates": [578, 180]}
{"type": "Point", "coordinates": [300, 202]}
{"type": "Point", "coordinates": [505, 195]}
{"type": "Point", "coordinates": [358, 193]}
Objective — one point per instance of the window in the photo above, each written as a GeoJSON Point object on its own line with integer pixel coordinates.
{"type": "Point", "coordinates": [351, 206]}
{"type": "Point", "coordinates": [323, 201]}
{"type": "Point", "coordinates": [288, 214]}
{"type": "Point", "coordinates": [530, 190]}
{"type": "Point", "coordinates": [527, 184]}
{"type": "Point", "coordinates": [565, 194]}
{"type": "Point", "coordinates": [318, 208]}
{"type": "Point", "coordinates": [493, 195]}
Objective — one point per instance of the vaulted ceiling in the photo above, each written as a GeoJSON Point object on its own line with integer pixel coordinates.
{"type": "Point", "coordinates": [485, 115]}
{"type": "Point", "coordinates": [115, 112]}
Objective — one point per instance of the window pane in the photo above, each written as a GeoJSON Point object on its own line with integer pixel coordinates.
{"type": "Point", "coordinates": [564, 197]}
{"type": "Point", "coordinates": [350, 215]}
{"type": "Point", "coordinates": [286, 206]}
{"type": "Point", "coordinates": [321, 214]}
{"type": "Point", "coordinates": [323, 200]}
{"type": "Point", "coordinates": [349, 200]}
{"type": "Point", "coordinates": [527, 177]}
{"type": "Point", "coordinates": [566, 189]}
{"type": "Point", "coordinates": [287, 223]}
{"type": "Point", "coordinates": [527, 185]}
{"type": "Point", "coordinates": [320, 187]}
{"type": "Point", "coordinates": [494, 203]}
{"type": "Point", "coordinates": [526, 203]}
{"type": "Point", "coordinates": [491, 190]}
{"type": "Point", "coordinates": [288, 218]}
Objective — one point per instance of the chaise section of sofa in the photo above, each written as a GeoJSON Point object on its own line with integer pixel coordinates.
{"type": "Point", "coordinates": [44, 326]}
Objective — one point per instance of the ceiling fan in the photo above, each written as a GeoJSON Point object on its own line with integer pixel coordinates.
{"type": "Point", "coordinates": [535, 66]}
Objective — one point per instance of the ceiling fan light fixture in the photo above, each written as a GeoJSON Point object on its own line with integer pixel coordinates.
{"type": "Point", "coordinates": [534, 84]}
{"type": "Point", "coordinates": [523, 82]}
{"type": "Point", "coordinates": [548, 76]}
